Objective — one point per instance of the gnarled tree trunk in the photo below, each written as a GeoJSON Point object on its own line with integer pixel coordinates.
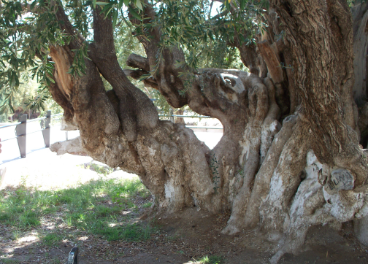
{"type": "Point", "coordinates": [289, 157]}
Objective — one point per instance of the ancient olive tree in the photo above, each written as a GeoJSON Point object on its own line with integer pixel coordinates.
{"type": "Point", "coordinates": [289, 157]}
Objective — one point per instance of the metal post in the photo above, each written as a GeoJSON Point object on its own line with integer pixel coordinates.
{"type": "Point", "coordinates": [21, 133]}
{"type": "Point", "coordinates": [46, 130]}
{"type": "Point", "coordinates": [171, 115]}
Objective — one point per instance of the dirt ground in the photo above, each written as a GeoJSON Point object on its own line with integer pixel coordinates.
{"type": "Point", "coordinates": [183, 241]}
{"type": "Point", "coordinates": [178, 239]}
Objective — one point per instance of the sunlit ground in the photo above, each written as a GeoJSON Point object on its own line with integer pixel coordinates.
{"type": "Point", "coordinates": [45, 170]}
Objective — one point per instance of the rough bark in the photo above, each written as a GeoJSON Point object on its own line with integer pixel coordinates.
{"type": "Point", "coordinates": [360, 16]}
{"type": "Point", "coordinates": [289, 157]}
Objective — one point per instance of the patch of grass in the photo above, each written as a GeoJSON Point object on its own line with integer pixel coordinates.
{"type": "Point", "coordinates": [29, 219]}
{"type": "Point", "coordinates": [9, 261]}
{"type": "Point", "coordinates": [100, 169]}
{"type": "Point", "coordinates": [103, 211]}
{"type": "Point", "coordinates": [128, 232]}
{"type": "Point", "coordinates": [55, 261]}
{"type": "Point", "coordinates": [4, 216]}
{"type": "Point", "coordinates": [211, 260]}
{"type": "Point", "coordinates": [95, 207]}
{"type": "Point", "coordinates": [136, 232]}
{"type": "Point", "coordinates": [51, 239]}
{"type": "Point", "coordinates": [121, 193]}
{"type": "Point", "coordinates": [18, 209]}
{"type": "Point", "coordinates": [147, 205]}
{"type": "Point", "coordinates": [16, 234]}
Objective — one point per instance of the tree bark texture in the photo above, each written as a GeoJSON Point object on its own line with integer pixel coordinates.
{"type": "Point", "coordinates": [289, 157]}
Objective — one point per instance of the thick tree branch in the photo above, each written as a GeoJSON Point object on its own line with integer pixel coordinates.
{"type": "Point", "coordinates": [137, 61]}
{"type": "Point", "coordinates": [136, 109]}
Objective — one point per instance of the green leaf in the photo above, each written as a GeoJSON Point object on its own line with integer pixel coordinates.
{"type": "Point", "coordinates": [94, 3]}
{"type": "Point", "coordinates": [134, 13]}
{"type": "Point", "coordinates": [121, 2]}
{"type": "Point", "coordinates": [107, 9]}
{"type": "Point", "coordinates": [114, 17]}
{"type": "Point", "coordinates": [227, 4]}
{"type": "Point", "coordinates": [33, 4]}
{"type": "Point", "coordinates": [242, 4]}
{"type": "Point", "coordinates": [139, 5]}
{"type": "Point", "coordinates": [144, 76]}
{"type": "Point", "coordinates": [101, 3]}
{"type": "Point", "coordinates": [50, 79]}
